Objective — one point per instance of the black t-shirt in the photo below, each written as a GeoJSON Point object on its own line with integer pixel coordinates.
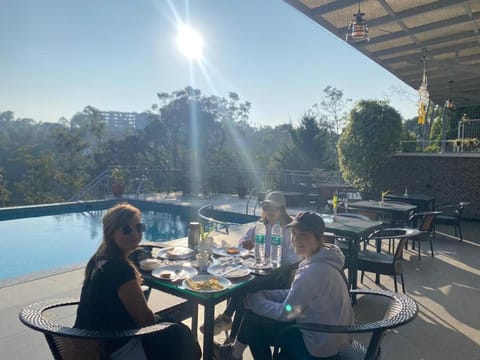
{"type": "Point", "coordinates": [100, 307]}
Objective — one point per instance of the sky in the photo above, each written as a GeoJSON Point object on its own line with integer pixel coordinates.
{"type": "Point", "coordinates": [58, 56]}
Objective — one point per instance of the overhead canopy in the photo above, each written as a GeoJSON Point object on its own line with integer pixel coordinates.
{"type": "Point", "coordinates": [402, 31]}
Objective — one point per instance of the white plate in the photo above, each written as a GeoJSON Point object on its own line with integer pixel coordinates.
{"type": "Point", "coordinates": [221, 280]}
{"type": "Point", "coordinates": [231, 271]}
{"type": "Point", "coordinates": [252, 264]}
{"type": "Point", "coordinates": [179, 272]}
{"type": "Point", "coordinates": [149, 264]}
{"type": "Point", "coordinates": [176, 253]}
{"type": "Point", "coordinates": [223, 251]}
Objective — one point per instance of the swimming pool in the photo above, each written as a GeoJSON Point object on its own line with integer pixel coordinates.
{"type": "Point", "coordinates": [47, 239]}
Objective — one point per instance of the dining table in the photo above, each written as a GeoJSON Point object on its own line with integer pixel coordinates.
{"type": "Point", "coordinates": [207, 299]}
{"type": "Point", "coordinates": [354, 231]}
{"type": "Point", "coordinates": [423, 202]}
{"type": "Point", "coordinates": [396, 212]}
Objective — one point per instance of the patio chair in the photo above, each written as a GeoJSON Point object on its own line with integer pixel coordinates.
{"type": "Point", "coordinates": [342, 242]}
{"type": "Point", "coordinates": [73, 343]}
{"type": "Point", "coordinates": [452, 216]}
{"type": "Point", "coordinates": [386, 264]}
{"type": "Point", "coordinates": [425, 223]}
{"type": "Point", "coordinates": [401, 310]}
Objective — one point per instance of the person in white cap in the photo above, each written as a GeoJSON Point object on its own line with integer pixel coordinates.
{"type": "Point", "coordinates": [318, 294]}
{"type": "Point", "coordinates": [274, 210]}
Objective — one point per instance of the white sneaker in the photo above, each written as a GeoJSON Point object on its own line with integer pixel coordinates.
{"type": "Point", "coordinates": [221, 323]}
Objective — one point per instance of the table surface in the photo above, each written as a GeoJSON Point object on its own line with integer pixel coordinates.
{"type": "Point", "coordinates": [350, 227]}
{"type": "Point", "coordinates": [385, 207]}
{"type": "Point", "coordinates": [410, 196]}
{"type": "Point", "coordinates": [208, 300]}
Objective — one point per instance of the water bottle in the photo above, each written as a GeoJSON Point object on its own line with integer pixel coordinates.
{"type": "Point", "coordinates": [276, 247]}
{"type": "Point", "coordinates": [260, 231]}
{"type": "Point", "coordinates": [194, 235]}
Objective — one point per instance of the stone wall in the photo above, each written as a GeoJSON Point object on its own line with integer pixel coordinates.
{"type": "Point", "coordinates": [450, 178]}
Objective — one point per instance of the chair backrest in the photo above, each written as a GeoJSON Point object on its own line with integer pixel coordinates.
{"type": "Point", "coordinates": [63, 348]}
{"type": "Point", "coordinates": [401, 310]}
{"type": "Point", "coordinates": [427, 218]}
{"type": "Point", "coordinates": [402, 234]}
{"type": "Point", "coordinates": [454, 209]}
{"type": "Point", "coordinates": [73, 343]}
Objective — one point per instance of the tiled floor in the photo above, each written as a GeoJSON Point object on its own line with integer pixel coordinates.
{"type": "Point", "coordinates": [446, 288]}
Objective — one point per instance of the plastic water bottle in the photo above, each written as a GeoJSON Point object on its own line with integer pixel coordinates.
{"type": "Point", "coordinates": [276, 247]}
{"type": "Point", "coordinates": [260, 232]}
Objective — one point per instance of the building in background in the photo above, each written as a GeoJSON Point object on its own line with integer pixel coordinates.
{"type": "Point", "coordinates": [124, 123]}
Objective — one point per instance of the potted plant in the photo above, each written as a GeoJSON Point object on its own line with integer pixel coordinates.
{"type": "Point", "coordinates": [118, 182]}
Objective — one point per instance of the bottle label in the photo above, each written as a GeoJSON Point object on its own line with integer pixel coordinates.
{"type": "Point", "coordinates": [276, 240]}
{"type": "Point", "coordinates": [259, 239]}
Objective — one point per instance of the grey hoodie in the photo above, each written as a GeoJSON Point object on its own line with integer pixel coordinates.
{"type": "Point", "coordinates": [318, 295]}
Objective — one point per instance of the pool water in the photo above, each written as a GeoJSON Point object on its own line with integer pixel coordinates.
{"type": "Point", "coordinates": [32, 245]}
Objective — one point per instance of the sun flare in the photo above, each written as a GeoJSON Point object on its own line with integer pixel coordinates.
{"type": "Point", "coordinates": [189, 42]}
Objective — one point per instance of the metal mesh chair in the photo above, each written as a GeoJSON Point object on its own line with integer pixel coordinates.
{"type": "Point", "coordinates": [386, 264]}
{"type": "Point", "coordinates": [401, 310]}
{"type": "Point", "coordinates": [452, 215]}
{"type": "Point", "coordinates": [73, 343]}
{"type": "Point", "coordinates": [425, 222]}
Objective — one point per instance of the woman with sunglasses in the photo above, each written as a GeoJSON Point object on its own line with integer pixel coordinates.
{"type": "Point", "coordinates": [112, 298]}
{"type": "Point", "coordinates": [274, 210]}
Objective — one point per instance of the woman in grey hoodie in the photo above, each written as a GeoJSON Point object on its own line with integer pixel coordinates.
{"type": "Point", "coordinates": [318, 295]}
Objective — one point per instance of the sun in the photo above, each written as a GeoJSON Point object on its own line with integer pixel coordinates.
{"type": "Point", "coordinates": [189, 42]}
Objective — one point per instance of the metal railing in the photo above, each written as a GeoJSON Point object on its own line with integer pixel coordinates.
{"type": "Point", "coordinates": [217, 223]}
{"type": "Point", "coordinates": [143, 181]}
{"type": "Point", "coordinates": [440, 146]}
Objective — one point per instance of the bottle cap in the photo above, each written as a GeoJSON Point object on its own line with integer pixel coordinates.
{"type": "Point", "coordinates": [194, 225]}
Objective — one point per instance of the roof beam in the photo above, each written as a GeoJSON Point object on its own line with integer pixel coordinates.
{"type": "Point", "coordinates": [333, 6]}
{"type": "Point", "coordinates": [422, 28]}
{"type": "Point", "coordinates": [432, 42]}
{"type": "Point", "coordinates": [400, 23]}
{"type": "Point", "coordinates": [415, 67]}
{"type": "Point", "coordinates": [438, 51]}
{"type": "Point", "coordinates": [414, 11]}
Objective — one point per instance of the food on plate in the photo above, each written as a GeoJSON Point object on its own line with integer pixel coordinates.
{"type": "Point", "coordinates": [178, 251]}
{"type": "Point", "coordinates": [233, 251]}
{"type": "Point", "coordinates": [149, 264]}
{"type": "Point", "coordinates": [210, 284]}
{"type": "Point", "coordinates": [167, 274]}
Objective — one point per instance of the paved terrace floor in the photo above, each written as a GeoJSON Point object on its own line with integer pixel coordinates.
{"type": "Point", "coordinates": [446, 288]}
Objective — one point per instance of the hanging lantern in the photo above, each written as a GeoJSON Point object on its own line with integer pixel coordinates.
{"type": "Point", "coordinates": [449, 104]}
{"type": "Point", "coordinates": [423, 95]}
{"type": "Point", "coordinates": [422, 114]}
{"type": "Point", "coordinates": [357, 30]}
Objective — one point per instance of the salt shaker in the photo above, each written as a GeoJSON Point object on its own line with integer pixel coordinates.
{"type": "Point", "coordinates": [194, 235]}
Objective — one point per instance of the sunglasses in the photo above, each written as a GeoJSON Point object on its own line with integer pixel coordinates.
{"type": "Point", "coordinates": [140, 228]}
{"type": "Point", "coordinates": [270, 208]}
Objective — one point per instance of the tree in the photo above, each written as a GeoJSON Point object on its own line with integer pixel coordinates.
{"type": "Point", "coordinates": [313, 146]}
{"type": "Point", "coordinates": [4, 193]}
{"type": "Point", "coordinates": [332, 109]}
{"type": "Point", "coordinates": [38, 183]}
{"type": "Point", "coordinates": [372, 134]}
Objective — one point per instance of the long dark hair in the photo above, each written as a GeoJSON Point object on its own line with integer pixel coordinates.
{"type": "Point", "coordinates": [114, 219]}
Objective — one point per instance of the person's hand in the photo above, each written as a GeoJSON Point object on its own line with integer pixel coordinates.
{"type": "Point", "coordinates": [248, 244]}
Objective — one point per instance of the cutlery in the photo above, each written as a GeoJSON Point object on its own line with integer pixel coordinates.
{"type": "Point", "coordinates": [231, 270]}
